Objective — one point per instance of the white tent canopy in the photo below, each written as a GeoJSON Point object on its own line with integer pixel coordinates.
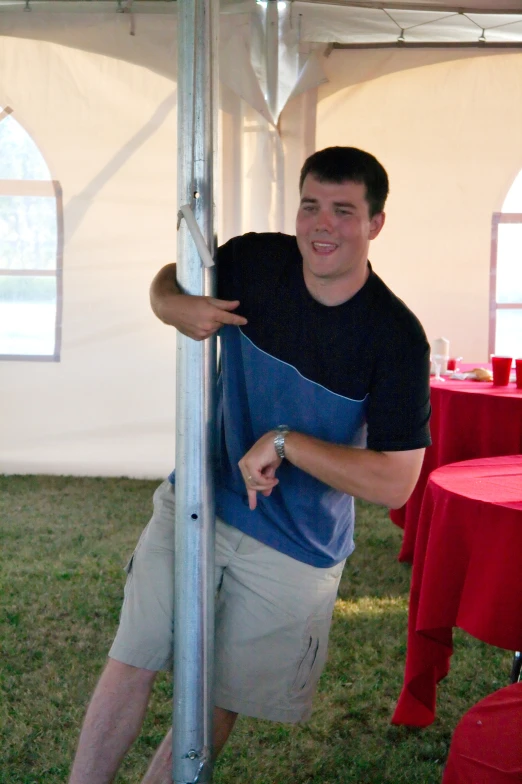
{"type": "Point", "coordinates": [96, 91]}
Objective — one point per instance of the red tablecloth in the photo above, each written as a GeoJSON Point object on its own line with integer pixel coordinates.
{"type": "Point", "coordinates": [467, 572]}
{"type": "Point", "coordinates": [469, 419]}
{"type": "Point", "coordinates": [487, 743]}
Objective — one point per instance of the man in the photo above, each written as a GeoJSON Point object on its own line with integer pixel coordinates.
{"type": "Point", "coordinates": [323, 396]}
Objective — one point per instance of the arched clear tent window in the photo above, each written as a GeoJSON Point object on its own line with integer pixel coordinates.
{"type": "Point", "coordinates": [31, 241]}
{"type": "Point", "coordinates": [505, 334]}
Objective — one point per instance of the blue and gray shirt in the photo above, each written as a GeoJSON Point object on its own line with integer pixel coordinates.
{"type": "Point", "coordinates": [356, 374]}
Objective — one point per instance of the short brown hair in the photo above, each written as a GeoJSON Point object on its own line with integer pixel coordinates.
{"type": "Point", "coordinates": [349, 164]}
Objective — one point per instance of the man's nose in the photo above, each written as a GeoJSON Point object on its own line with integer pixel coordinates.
{"type": "Point", "coordinates": [324, 221]}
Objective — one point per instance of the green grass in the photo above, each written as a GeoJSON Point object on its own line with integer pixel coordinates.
{"type": "Point", "coordinates": [63, 542]}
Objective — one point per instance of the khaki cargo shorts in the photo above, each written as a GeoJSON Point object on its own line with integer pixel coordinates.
{"type": "Point", "coordinates": [273, 617]}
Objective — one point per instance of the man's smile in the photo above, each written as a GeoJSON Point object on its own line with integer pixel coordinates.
{"type": "Point", "coordinates": [323, 248]}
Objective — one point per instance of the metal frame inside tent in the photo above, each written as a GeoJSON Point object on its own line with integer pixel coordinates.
{"type": "Point", "coordinates": [348, 23]}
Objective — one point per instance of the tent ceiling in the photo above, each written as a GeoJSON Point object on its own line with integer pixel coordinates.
{"type": "Point", "coordinates": [346, 24]}
{"type": "Point", "coordinates": [350, 22]}
{"type": "Point", "coordinates": [478, 6]}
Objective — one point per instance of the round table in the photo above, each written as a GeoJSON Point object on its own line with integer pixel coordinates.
{"type": "Point", "coordinates": [466, 572]}
{"type": "Point", "coordinates": [486, 746]}
{"type": "Point", "coordinates": [469, 419]}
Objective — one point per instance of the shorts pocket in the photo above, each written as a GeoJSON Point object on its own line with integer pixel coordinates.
{"type": "Point", "coordinates": [313, 655]}
{"type": "Point", "coordinates": [128, 566]}
{"type": "Point", "coordinates": [159, 531]}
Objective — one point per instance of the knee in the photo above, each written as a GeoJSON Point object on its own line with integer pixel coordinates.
{"type": "Point", "coordinates": [118, 673]}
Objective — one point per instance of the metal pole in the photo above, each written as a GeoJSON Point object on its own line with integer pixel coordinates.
{"type": "Point", "coordinates": [272, 57]}
{"type": "Point", "coordinates": [196, 363]}
{"type": "Point", "coordinates": [272, 99]}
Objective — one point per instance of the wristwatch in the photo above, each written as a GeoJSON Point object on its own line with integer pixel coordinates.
{"type": "Point", "coordinates": [279, 440]}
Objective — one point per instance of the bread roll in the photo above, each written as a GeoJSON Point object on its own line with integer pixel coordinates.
{"type": "Point", "coordinates": [482, 374]}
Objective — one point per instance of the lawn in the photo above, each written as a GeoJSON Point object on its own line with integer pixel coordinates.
{"type": "Point", "coordinates": [63, 544]}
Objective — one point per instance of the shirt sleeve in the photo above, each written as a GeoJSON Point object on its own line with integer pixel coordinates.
{"type": "Point", "coordinates": [227, 285]}
{"type": "Point", "coordinates": [236, 261]}
{"type": "Point", "coordinates": [399, 408]}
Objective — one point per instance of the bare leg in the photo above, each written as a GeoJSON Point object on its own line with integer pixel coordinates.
{"type": "Point", "coordinates": [112, 722]}
{"type": "Point", "coordinates": [160, 770]}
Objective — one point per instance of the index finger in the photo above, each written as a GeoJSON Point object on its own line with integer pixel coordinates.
{"type": "Point", "coordinates": [252, 499]}
{"type": "Point", "coordinates": [224, 317]}
{"type": "Point", "coordinates": [224, 304]}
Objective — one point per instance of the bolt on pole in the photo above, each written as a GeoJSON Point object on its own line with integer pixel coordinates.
{"type": "Point", "coordinates": [195, 384]}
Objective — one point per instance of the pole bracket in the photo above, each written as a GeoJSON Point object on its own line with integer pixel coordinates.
{"type": "Point", "coordinates": [199, 241]}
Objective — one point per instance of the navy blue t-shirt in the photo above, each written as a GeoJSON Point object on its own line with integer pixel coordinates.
{"type": "Point", "coordinates": [355, 374]}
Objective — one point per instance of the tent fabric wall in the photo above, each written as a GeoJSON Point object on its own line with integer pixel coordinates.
{"type": "Point", "coordinates": [101, 106]}
{"type": "Point", "coordinates": [107, 130]}
{"type": "Point", "coordinates": [447, 126]}
{"type": "Point", "coordinates": [105, 32]}
{"type": "Point", "coordinates": [106, 126]}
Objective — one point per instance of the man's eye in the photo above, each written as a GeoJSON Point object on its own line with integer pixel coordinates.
{"type": "Point", "coordinates": [343, 212]}
{"type": "Point", "coordinates": [309, 207]}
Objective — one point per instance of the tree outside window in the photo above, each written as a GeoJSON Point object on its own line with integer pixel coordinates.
{"type": "Point", "coordinates": [31, 241]}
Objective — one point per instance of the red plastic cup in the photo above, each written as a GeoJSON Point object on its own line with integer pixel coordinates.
{"type": "Point", "coordinates": [518, 365]}
{"type": "Point", "coordinates": [501, 370]}
{"type": "Point", "coordinates": [453, 363]}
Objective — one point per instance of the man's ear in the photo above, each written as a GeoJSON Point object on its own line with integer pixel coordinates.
{"type": "Point", "coordinates": [376, 224]}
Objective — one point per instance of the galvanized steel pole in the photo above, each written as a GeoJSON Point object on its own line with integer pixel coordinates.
{"type": "Point", "coordinates": [272, 57]}
{"type": "Point", "coordinates": [272, 99]}
{"type": "Point", "coordinates": [196, 363]}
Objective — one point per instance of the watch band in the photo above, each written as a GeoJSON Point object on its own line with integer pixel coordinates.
{"type": "Point", "coordinates": [279, 440]}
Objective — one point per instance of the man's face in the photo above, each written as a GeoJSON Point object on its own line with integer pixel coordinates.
{"type": "Point", "coordinates": [333, 230]}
